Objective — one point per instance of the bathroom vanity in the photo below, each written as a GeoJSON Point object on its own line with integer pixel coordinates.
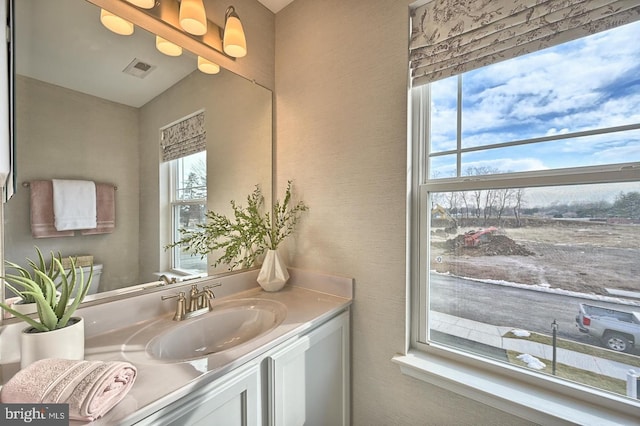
{"type": "Point", "coordinates": [295, 371]}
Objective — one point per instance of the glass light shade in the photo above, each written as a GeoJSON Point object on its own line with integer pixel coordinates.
{"type": "Point", "coordinates": [193, 18]}
{"type": "Point", "coordinates": [168, 48]}
{"type": "Point", "coordinates": [145, 4]}
{"type": "Point", "coordinates": [207, 67]}
{"type": "Point", "coordinates": [115, 23]}
{"type": "Point", "coordinates": [234, 42]}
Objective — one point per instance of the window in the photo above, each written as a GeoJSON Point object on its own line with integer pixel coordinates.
{"type": "Point", "coordinates": [528, 212]}
{"type": "Point", "coordinates": [188, 207]}
{"type": "Point", "coordinates": [183, 147]}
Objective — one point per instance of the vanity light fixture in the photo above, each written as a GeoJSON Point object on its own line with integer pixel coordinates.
{"type": "Point", "coordinates": [168, 48]}
{"type": "Point", "coordinates": [192, 17]}
{"type": "Point", "coordinates": [207, 67]}
{"type": "Point", "coordinates": [115, 23]}
{"type": "Point", "coordinates": [145, 4]}
{"type": "Point", "coordinates": [234, 42]}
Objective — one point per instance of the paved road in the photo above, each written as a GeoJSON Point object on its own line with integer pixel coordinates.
{"type": "Point", "coordinates": [510, 306]}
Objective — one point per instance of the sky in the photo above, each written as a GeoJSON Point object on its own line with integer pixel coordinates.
{"type": "Point", "coordinates": [590, 83]}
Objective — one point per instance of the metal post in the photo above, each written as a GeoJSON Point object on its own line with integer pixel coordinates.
{"type": "Point", "coordinates": [554, 329]}
{"type": "Point", "coordinates": [633, 383]}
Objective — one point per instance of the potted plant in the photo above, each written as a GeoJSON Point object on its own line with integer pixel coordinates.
{"type": "Point", "coordinates": [247, 235]}
{"type": "Point", "coordinates": [23, 302]}
{"type": "Point", "coordinates": [57, 334]}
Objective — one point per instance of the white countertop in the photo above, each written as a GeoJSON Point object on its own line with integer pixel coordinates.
{"type": "Point", "coordinates": [161, 383]}
{"type": "Point", "coordinates": [310, 298]}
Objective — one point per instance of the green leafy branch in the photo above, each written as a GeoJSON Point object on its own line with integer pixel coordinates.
{"type": "Point", "coordinates": [247, 234]}
{"type": "Point", "coordinates": [284, 219]}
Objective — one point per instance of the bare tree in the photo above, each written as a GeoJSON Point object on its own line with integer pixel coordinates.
{"type": "Point", "coordinates": [518, 198]}
{"type": "Point", "coordinates": [503, 197]}
{"type": "Point", "coordinates": [489, 202]}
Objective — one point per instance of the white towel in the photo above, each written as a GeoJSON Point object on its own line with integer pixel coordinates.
{"type": "Point", "coordinates": [74, 204]}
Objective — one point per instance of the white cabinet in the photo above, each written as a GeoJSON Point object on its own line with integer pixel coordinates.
{"type": "Point", "coordinates": [233, 400]}
{"type": "Point", "coordinates": [303, 381]}
{"type": "Point", "coordinates": [309, 378]}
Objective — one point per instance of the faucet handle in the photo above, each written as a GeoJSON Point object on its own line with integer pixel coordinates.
{"type": "Point", "coordinates": [208, 293]}
{"type": "Point", "coordinates": [181, 306]}
{"type": "Point", "coordinates": [207, 289]}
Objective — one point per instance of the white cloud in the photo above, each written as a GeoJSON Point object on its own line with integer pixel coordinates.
{"type": "Point", "coordinates": [508, 164]}
{"type": "Point", "coordinates": [553, 131]}
{"type": "Point", "coordinates": [593, 84]}
{"type": "Point", "coordinates": [566, 87]}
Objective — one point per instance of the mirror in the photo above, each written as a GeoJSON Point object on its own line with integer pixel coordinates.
{"type": "Point", "coordinates": [78, 116]}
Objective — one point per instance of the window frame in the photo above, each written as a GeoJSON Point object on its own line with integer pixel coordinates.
{"type": "Point", "coordinates": [527, 394]}
{"type": "Point", "coordinates": [173, 205]}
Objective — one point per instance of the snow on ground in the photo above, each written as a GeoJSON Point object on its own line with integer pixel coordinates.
{"type": "Point", "coordinates": [547, 289]}
{"type": "Point", "coordinates": [531, 361]}
{"type": "Point", "coordinates": [521, 333]}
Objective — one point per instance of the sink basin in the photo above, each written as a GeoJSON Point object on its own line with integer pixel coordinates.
{"type": "Point", "coordinates": [227, 325]}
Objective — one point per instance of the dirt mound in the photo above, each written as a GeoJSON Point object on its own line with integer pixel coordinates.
{"type": "Point", "coordinates": [491, 245]}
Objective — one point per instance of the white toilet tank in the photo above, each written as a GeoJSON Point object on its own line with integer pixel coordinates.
{"type": "Point", "coordinates": [95, 281]}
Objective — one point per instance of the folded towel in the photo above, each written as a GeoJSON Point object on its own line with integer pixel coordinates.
{"type": "Point", "coordinates": [105, 209]}
{"type": "Point", "coordinates": [41, 206]}
{"type": "Point", "coordinates": [74, 204]}
{"type": "Point", "coordinates": [91, 388]}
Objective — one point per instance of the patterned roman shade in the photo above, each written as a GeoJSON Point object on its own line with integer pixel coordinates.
{"type": "Point", "coordinates": [183, 138]}
{"type": "Point", "coordinates": [450, 37]}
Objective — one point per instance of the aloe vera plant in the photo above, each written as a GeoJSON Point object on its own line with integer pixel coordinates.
{"type": "Point", "coordinates": [51, 298]}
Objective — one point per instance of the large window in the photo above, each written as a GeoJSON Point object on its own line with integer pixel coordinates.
{"type": "Point", "coordinates": [188, 207]}
{"type": "Point", "coordinates": [529, 212]}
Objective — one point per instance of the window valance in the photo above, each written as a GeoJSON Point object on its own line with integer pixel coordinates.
{"type": "Point", "coordinates": [183, 138]}
{"type": "Point", "coordinates": [450, 37]}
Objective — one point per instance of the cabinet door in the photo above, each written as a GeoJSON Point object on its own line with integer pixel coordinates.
{"type": "Point", "coordinates": [309, 379]}
{"type": "Point", "coordinates": [233, 400]}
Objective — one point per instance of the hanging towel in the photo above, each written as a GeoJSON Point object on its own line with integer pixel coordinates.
{"type": "Point", "coordinates": [74, 204]}
{"type": "Point", "coordinates": [91, 388]}
{"type": "Point", "coordinates": [41, 206]}
{"type": "Point", "coordinates": [105, 210]}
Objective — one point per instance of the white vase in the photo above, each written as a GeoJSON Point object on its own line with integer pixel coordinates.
{"type": "Point", "coordinates": [273, 274]}
{"type": "Point", "coordinates": [65, 343]}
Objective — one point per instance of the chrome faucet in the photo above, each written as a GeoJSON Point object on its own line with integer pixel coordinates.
{"type": "Point", "coordinates": [197, 302]}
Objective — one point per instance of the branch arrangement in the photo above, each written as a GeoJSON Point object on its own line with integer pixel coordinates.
{"type": "Point", "coordinates": [247, 234]}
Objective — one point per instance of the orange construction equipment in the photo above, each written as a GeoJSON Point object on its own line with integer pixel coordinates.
{"type": "Point", "coordinates": [475, 238]}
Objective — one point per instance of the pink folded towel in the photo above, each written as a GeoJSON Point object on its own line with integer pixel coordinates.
{"type": "Point", "coordinates": [106, 210]}
{"type": "Point", "coordinates": [41, 201]}
{"type": "Point", "coordinates": [91, 388]}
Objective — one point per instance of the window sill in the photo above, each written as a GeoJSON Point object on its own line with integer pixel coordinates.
{"type": "Point", "coordinates": [543, 400]}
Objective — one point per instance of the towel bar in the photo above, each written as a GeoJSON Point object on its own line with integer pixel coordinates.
{"type": "Point", "coordinates": [27, 184]}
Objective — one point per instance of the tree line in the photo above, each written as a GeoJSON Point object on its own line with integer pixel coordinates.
{"type": "Point", "coordinates": [483, 205]}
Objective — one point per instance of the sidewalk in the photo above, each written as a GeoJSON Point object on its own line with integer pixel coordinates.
{"type": "Point", "coordinates": [492, 335]}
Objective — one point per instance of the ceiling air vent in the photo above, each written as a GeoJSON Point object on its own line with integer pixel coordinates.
{"type": "Point", "coordinates": [138, 68]}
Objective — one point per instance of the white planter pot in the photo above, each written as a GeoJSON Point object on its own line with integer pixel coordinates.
{"type": "Point", "coordinates": [23, 308]}
{"type": "Point", "coordinates": [65, 343]}
{"type": "Point", "coordinates": [273, 274]}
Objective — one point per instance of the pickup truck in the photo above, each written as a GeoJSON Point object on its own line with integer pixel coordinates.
{"type": "Point", "coordinates": [617, 330]}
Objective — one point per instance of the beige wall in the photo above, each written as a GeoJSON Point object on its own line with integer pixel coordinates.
{"type": "Point", "coordinates": [69, 135]}
{"type": "Point", "coordinates": [341, 134]}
